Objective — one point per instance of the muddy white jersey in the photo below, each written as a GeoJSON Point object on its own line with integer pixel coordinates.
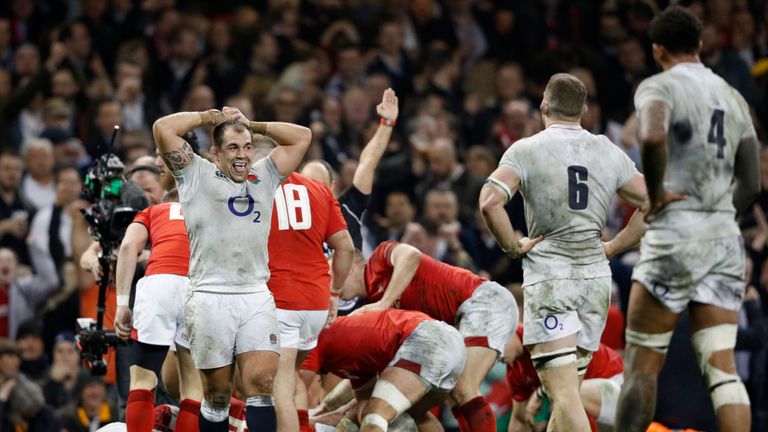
{"type": "Point", "coordinates": [709, 119]}
{"type": "Point", "coordinates": [567, 179]}
{"type": "Point", "coordinates": [228, 225]}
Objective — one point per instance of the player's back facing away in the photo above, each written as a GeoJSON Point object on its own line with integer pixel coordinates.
{"type": "Point", "coordinates": [567, 178]}
{"type": "Point", "coordinates": [708, 120]}
{"type": "Point", "coordinates": [305, 215]}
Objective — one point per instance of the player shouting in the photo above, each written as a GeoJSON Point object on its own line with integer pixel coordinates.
{"type": "Point", "coordinates": [396, 361]}
{"type": "Point", "coordinates": [398, 275]}
{"type": "Point", "coordinates": [693, 254]}
{"type": "Point", "coordinates": [227, 206]}
{"type": "Point", "coordinates": [159, 313]}
{"type": "Point", "coordinates": [567, 177]}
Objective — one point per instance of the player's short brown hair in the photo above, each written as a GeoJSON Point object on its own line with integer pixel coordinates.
{"type": "Point", "coordinates": [566, 96]}
{"type": "Point", "coordinates": [218, 131]}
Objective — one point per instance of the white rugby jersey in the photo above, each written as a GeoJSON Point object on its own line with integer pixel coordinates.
{"type": "Point", "coordinates": [228, 225]}
{"type": "Point", "coordinates": [567, 179]}
{"type": "Point", "coordinates": [709, 119]}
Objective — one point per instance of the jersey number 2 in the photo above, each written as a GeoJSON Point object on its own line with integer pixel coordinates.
{"type": "Point", "coordinates": [578, 191]}
{"type": "Point", "coordinates": [716, 135]}
{"type": "Point", "coordinates": [292, 205]}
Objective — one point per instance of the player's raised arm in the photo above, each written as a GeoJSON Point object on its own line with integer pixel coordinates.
{"type": "Point", "coordinates": [654, 120]}
{"type": "Point", "coordinates": [168, 131]}
{"type": "Point", "coordinates": [371, 155]}
{"type": "Point", "coordinates": [498, 189]}
{"type": "Point", "coordinates": [134, 241]}
{"type": "Point", "coordinates": [746, 172]}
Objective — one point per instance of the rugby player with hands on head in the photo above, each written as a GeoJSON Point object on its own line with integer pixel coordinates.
{"type": "Point", "coordinates": [230, 313]}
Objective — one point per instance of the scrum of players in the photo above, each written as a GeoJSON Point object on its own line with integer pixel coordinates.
{"type": "Point", "coordinates": [241, 285]}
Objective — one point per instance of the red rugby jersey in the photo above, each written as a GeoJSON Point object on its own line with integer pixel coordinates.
{"type": "Point", "coordinates": [359, 347]}
{"type": "Point", "coordinates": [168, 239]}
{"type": "Point", "coordinates": [304, 215]}
{"type": "Point", "coordinates": [522, 377]}
{"type": "Point", "coordinates": [437, 289]}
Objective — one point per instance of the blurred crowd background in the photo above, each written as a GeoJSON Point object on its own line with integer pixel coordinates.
{"type": "Point", "coordinates": [469, 76]}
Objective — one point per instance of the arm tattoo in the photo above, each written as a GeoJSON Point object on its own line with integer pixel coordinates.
{"type": "Point", "coordinates": [177, 160]}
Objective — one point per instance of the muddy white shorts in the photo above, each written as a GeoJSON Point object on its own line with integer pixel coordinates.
{"type": "Point", "coordinates": [158, 310]}
{"type": "Point", "coordinates": [220, 326]}
{"type": "Point", "coordinates": [555, 309]}
{"type": "Point", "coordinates": [435, 352]}
{"type": "Point", "coordinates": [299, 329]}
{"type": "Point", "coordinates": [489, 317]}
{"type": "Point", "coordinates": [706, 271]}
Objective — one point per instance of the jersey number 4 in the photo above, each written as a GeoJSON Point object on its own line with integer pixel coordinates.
{"type": "Point", "coordinates": [578, 191]}
{"type": "Point", "coordinates": [292, 205]}
{"type": "Point", "coordinates": [716, 135]}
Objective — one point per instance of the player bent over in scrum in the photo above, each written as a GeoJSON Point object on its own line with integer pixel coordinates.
{"type": "Point", "coordinates": [567, 177]}
{"type": "Point", "coordinates": [399, 275]}
{"type": "Point", "coordinates": [692, 255]}
{"type": "Point", "coordinates": [227, 206]}
{"type": "Point", "coordinates": [159, 313]}
{"type": "Point", "coordinates": [417, 360]}
{"type": "Point", "coordinates": [599, 390]}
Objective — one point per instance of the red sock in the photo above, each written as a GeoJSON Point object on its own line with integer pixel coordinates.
{"type": "Point", "coordinates": [457, 414]}
{"type": "Point", "coordinates": [236, 414]}
{"type": "Point", "coordinates": [479, 415]}
{"type": "Point", "coordinates": [303, 420]}
{"type": "Point", "coordinates": [140, 411]}
{"type": "Point", "coordinates": [189, 411]}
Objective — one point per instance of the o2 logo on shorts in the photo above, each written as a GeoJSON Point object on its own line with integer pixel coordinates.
{"type": "Point", "coordinates": [660, 291]}
{"type": "Point", "coordinates": [273, 339]}
{"type": "Point", "coordinates": [551, 323]}
{"type": "Point", "coordinates": [235, 206]}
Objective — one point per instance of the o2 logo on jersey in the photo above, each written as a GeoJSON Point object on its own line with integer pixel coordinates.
{"type": "Point", "coordinates": [292, 205]}
{"type": "Point", "coordinates": [244, 206]}
{"type": "Point", "coordinates": [552, 323]}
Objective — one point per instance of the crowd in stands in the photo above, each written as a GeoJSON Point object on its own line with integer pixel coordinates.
{"type": "Point", "coordinates": [469, 75]}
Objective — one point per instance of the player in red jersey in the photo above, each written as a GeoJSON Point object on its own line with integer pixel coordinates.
{"type": "Point", "coordinates": [396, 361]}
{"type": "Point", "coordinates": [398, 275]}
{"type": "Point", "coordinates": [305, 216]}
{"type": "Point", "coordinates": [599, 390]}
{"type": "Point", "coordinates": [159, 313]}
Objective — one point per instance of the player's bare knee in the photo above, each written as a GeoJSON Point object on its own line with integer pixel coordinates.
{"type": "Point", "coordinates": [463, 392]}
{"type": "Point", "coordinates": [141, 378]}
{"type": "Point", "coordinates": [260, 382]}
{"type": "Point", "coordinates": [218, 401]}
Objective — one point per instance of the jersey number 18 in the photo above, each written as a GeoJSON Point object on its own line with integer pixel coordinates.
{"type": "Point", "coordinates": [292, 205]}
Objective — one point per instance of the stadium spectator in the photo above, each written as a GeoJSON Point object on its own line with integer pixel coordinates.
{"type": "Point", "coordinates": [14, 210]}
{"type": "Point", "coordinates": [38, 186]}
{"type": "Point", "coordinates": [34, 360]}
{"type": "Point", "coordinates": [91, 410]}
{"type": "Point", "coordinates": [59, 387]}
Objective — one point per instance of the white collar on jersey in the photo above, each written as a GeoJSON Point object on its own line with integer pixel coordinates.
{"type": "Point", "coordinates": [564, 126]}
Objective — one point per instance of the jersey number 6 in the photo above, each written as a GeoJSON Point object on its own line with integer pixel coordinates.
{"type": "Point", "coordinates": [578, 191]}
{"type": "Point", "coordinates": [292, 205]}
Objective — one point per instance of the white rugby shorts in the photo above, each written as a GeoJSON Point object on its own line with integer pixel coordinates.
{"type": "Point", "coordinates": [158, 310]}
{"type": "Point", "coordinates": [489, 317]}
{"type": "Point", "coordinates": [705, 271]}
{"type": "Point", "coordinates": [299, 329]}
{"type": "Point", "coordinates": [558, 308]}
{"type": "Point", "coordinates": [220, 326]}
{"type": "Point", "coordinates": [435, 352]}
